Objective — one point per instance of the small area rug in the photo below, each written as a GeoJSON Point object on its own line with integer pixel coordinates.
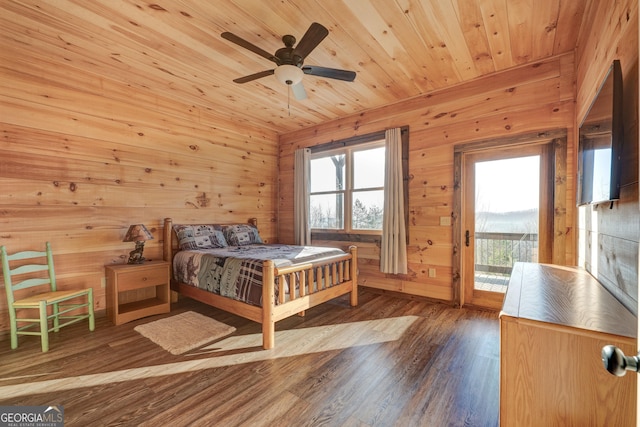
{"type": "Point", "coordinates": [183, 332]}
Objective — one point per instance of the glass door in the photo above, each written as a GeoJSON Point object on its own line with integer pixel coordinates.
{"type": "Point", "coordinates": [504, 219]}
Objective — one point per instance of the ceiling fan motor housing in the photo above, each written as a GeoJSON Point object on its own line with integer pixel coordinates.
{"type": "Point", "coordinates": [289, 62]}
{"type": "Point", "coordinates": [287, 55]}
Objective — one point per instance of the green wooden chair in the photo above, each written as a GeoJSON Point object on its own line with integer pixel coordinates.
{"type": "Point", "coordinates": [52, 305]}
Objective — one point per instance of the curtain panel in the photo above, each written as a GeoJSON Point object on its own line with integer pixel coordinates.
{"type": "Point", "coordinates": [301, 188]}
{"type": "Point", "coordinates": [393, 253]}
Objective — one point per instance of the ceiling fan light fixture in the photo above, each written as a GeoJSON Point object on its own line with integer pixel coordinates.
{"type": "Point", "coordinates": [288, 74]}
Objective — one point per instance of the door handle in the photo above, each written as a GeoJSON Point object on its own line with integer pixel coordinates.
{"type": "Point", "coordinates": [616, 363]}
{"type": "Point", "coordinates": [466, 238]}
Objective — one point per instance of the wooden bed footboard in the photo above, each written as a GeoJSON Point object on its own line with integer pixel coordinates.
{"type": "Point", "coordinates": [311, 284]}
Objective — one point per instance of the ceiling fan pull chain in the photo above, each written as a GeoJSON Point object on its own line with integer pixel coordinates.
{"type": "Point", "coordinates": [289, 99]}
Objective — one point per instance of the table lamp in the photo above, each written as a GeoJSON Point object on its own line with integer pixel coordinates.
{"type": "Point", "coordinates": [137, 233]}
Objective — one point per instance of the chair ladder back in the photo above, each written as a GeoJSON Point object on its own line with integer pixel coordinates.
{"type": "Point", "coordinates": [8, 272]}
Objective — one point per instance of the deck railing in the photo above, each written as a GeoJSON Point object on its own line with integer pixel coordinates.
{"type": "Point", "coordinates": [497, 252]}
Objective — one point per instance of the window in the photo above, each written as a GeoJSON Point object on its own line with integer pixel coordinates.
{"type": "Point", "coordinates": [347, 188]}
{"type": "Point", "coordinates": [346, 198]}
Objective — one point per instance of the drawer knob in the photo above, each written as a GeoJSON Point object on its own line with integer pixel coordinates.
{"type": "Point", "coordinates": [144, 279]}
{"type": "Point", "coordinates": [616, 363]}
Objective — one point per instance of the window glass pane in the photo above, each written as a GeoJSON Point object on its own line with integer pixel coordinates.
{"type": "Point", "coordinates": [367, 210]}
{"type": "Point", "coordinates": [506, 218]}
{"type": "Point", "coordinates": [327, 173]}
{"type": "Point", "coordinates": [368, 168]}
{"type": "Point", "coordinates": [326, 210]}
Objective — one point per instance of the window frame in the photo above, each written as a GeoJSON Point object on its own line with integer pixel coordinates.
{"type": "Point", "coordinates": [349, 186]}
{"type": "Point", "coordinates": [372, 236]}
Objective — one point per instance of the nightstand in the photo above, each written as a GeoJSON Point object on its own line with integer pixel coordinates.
{"type": "Point", "coordinates": [137, 290]}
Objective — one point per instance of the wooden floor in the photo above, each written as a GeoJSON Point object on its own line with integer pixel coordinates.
{"type": "Point", "coordinates": [387, 362]}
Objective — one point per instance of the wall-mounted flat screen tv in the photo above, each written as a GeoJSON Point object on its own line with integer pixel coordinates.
{"type": "Point", "coordinates": [600, 144]}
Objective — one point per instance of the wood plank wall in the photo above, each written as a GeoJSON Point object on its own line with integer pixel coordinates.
{"type": "Point", "coordinates": [610, 235]}
{"type": "Point", "coordinates": [83, 157]}
{"type": "Point", "coordinates": [534, 97]}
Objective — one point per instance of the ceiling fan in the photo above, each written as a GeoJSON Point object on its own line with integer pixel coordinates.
{"type": "Point", "coordinates": [290, 60]}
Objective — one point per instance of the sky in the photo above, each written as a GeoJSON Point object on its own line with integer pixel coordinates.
{"type": "Point", "coordinates": [508, 185]}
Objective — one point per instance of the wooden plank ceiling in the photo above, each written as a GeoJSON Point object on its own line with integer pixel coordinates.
{"type": "Point", "coordinates": [398, 48]}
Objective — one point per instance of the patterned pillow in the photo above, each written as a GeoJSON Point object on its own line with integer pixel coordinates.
{"type": "Point", "coordinates": [204, 236]}
{"type": "Point", "coordinates": [241, 235]}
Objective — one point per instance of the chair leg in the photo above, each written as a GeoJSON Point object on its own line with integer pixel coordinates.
{"type": "Point", "coordinates": [44, 327]}
{"type": "Point", "coordinates": [13, 328]}
{"type": "Point", "coordinates": [56, 320]}
{"type": "Point", "coordinates": [92, 317]}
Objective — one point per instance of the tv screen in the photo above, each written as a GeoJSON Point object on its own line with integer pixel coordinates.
{"type": "Point", "coordinates": [600, 144]}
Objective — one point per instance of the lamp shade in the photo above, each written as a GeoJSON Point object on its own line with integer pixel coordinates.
{"type": "Point", "coordinates": [137, 233]}
{"type": "Point", "coordinates": [288, 74]}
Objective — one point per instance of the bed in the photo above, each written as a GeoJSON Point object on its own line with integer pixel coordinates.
{"type": "Point", "coordinates": [278, 286]}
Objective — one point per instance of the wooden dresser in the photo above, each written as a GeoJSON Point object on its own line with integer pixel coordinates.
{"type": "Point", "coordinates": [554, 322]}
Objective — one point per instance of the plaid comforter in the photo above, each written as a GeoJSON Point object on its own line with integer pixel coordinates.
{"type": "Point", "coordinates": [236, 271]}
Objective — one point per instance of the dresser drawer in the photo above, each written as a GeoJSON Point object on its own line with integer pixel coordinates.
{"type": "Point", "coordinates": [142, 278]}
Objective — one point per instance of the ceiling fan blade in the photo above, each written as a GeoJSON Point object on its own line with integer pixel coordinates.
{"type": "Point", "coordinates": [255, 76]}
{"type": "Point", "coordinates": [250, 46]}
{"type": "Point", "coordinates": [312, 38]}
{"type": "Point", "coordinates": [298, 91]}
{"type": "Point", "coordinates": [332, 73]}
